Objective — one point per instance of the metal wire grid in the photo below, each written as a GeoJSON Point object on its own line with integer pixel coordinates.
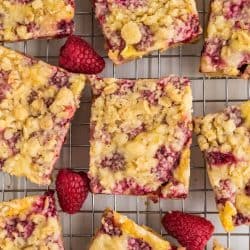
{"type": "Point", "coordinates": [141, 212]}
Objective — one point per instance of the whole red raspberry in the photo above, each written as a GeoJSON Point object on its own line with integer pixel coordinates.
{"type": "Point", "coordinates": [76, 55]}
{"type": "Point", "coordinates": [191, 231]}
{"type": "Point", "coordinates": [72, 190]}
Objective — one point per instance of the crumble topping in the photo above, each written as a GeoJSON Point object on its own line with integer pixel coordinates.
{"type": "Point", "coordinates": [135, 28]}
{"type": "Point", "coordinates": [140, 136]}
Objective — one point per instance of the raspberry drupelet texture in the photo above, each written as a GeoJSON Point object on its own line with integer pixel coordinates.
{"type": "Point", "coordinates": [191, 231]}
{"type": "Point", "coordinates": [223, 138]}
{"type": "Point", "coordinates": [78, 56]}
{"type": "Point", "coordinates": [140, 137]}
{"type": "Point", "coordinates": [72, 190]}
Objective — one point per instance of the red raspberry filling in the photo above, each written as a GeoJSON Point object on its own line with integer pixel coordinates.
{"type": "Point", "coordinates": [225, 192]}
{"type": "Point", "coordinates": [4, 86]}
{"type": "Point", "coordinates": [47, 210]}
{"type": "Point", "coordinates": [115, 162]}
{"type": "Point", "coordinates": [32, 27]}
{"type": "Point", "coordinates": [177, 191]}
{"type": "Point", "coordinates": [167, 161]}
{"type": "Point", "coordinates": [131, 4]}
{"type": "Point", "coordinates": [138, 244]}
{"type": "Point", "coordinates": [13, 228]}
{"type": "Point", "coordinates": [212, 49]}
{"type": "Point", "coordinates": [96, 186]}
{"type": "Point", "coordinates": [234, 114]}
{"type": "Point", "coordinates": [65, 27]}
{"type": "Point", "coordinates": [188, 29]}
{"type": "Point", "coordinates": [109, 227]}
{"type": "Point", "coordinates": [125, 86]}
{"type": "Point", "coordinates": [233, 9]}
{"type": "Point", "coordinates": [60, 79]}
{"type": "Point", "coordinates": [115, 41]}
{"type": "Point", "coordinates": [240, 219]}
{"type": "Point", "coordinates": [247, 188]}
{"type": "Point", "coordinates": [130, 186]}
{"type": "Point", "coordinates": [219, 158]}
{"type": "Point", "coordinates": [22, 1]}
{"type": "Point", "coordinates": [101, 10]}
{"type": "Point", "coordinates": [32, 96]}
{"type": "Point", "coordinates": [134, 132]}
{"type": "Point", "coordinates": [151, 96]}
{"type": "Point", "coordinates": [175, 80]}
{"type": "Point", "coordinates": [146, 40]}
{"type": "Point", "coordinates": [12, 142]}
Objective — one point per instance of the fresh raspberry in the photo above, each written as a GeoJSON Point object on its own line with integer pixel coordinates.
{"type": "Point", "coordinates": [191, 231]}
{"type": "Point", "coordinates": [219, 158]}
{"type": "Point", "coordinates": [77, 56]}
{"type": "Point", "coordinates": [72, 190]}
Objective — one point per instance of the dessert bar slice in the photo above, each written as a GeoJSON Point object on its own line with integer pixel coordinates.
{"type": "Point", "coordinates": [31, 19]}
{"type": "Point", "coordinates": [120, 233]}
{"type": "Point", "coordinates": [136, 28]}
{"type": "Point", "coordinates": [37, 102]}
{"type": "Point", "coordinates": [141, 136]}
{"type": "Point", "coordinates": [30, 223]}
{"type": "Point", "coordinates": [227, 45]}
{"type": "Point", "coordinates": [224, 138]}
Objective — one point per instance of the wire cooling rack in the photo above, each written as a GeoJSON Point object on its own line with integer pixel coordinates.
{"type": "Point", "coordinates": [209, 95]}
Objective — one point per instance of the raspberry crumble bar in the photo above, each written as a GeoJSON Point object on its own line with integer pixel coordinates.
{"type": "Point", "coordinates": [37, 102]}
{"type": "Point", "coordinates": [224, 139]}
{"type": "Point", "coordinates": [31, 19]}
{"type": "Point", "coordinates": [120, 233]}
{"type": "Point", "coordinates": [141, 136]}
{"type": "Point", "coordinates": [133, 28]}
{"type": "Point", "coordinates": [227, 46]}
{"type": "Point", "coordinates": [30, 223]}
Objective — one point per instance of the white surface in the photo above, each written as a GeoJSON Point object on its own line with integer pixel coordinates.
{"type": "Point", "coordinates": [209, 96]}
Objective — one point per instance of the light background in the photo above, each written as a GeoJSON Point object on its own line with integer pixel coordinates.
{"type": "Point", "coordinates": [209, 95]}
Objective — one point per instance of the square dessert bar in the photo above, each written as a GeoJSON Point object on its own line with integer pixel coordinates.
{"type": "Point", "coordinates": [31, 19]}
{"type": "Point", "coordinates": [227, 45]}
{"type": "Point", "coordinates": [118, 232]}
{"type": "Point", "coordinates": [30, 223]}
{"type": "Point", "coordinates": [133, 28]}
{"type": "Point", "coordinates": [224, 138]}
{"type": "Point", "coordinates": [141, 136]}
{"type": "Point", "coordinates": [37, 102]}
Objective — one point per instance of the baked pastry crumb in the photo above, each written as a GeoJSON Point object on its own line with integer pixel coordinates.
{"type": "Point", "coordinates": [141, 136]}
